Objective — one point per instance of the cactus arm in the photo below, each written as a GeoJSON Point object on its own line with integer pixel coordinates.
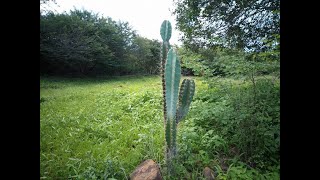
{"type": "Point", "coordinates": [185, 97]}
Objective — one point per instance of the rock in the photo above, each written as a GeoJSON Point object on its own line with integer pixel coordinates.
{"type": "Point", "coordinates": [208, 173]}
{"type": "Point", "coordinates": [148, 170]}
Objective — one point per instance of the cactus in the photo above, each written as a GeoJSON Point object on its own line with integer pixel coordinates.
{"type": "Point", "coordinates": [172, 80]}
{"type": "Point", "coordinates": [185, 97]}
{"type": "Point", "coordinates": [166, 30]}
{"type": "Point", "coordinates": [175, 104]}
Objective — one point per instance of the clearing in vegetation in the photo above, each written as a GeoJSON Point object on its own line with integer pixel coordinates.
{"type": "Point", "coordinates": [104, 128]}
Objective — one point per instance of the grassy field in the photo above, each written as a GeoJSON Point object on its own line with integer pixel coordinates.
{"type": "Point", "coordinates": [99, 128]}
{"type": "Point", "coordinates": [104, 128]}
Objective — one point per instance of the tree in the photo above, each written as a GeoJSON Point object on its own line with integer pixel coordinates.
{"type": "Point", "coordinates": [83, 43]}
{"type": "Point", "coordinates": [144, 55]}
{"type": "Point", "coordinates": [241, 24]}
{"type": "Point", "coordinates": [80, 43]}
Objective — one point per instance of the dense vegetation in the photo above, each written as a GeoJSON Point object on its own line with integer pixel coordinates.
{"type": "Point", "coordinates": [97, 128]}
{"type": "Point", "coordinates": [100, 125]}
{"type": "Point", "coordinates": [83, 43]}
{"type": "Point", "coordinates": [234, 127]}
{"type": "Point", "coordinates": [93, 128]}
{"type": "Point", "coordinates": [249, 24]}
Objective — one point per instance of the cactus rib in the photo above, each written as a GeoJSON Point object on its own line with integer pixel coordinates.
{"type": "Point", "coordinates": [172, 78]}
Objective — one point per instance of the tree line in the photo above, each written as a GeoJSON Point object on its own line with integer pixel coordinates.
{"type": "Point", "coordinates": [83, 43]}
{"type": "Point", "coordinates": [219, 39]}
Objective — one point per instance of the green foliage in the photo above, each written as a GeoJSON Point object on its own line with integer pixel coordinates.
{"type": "Point", "coordinates": [99, 128]}
{"type": "Point", "coordinates": [73, 43]}
{"type": "Point", "coordinates": [249, 124]}
{"type": "Point", "coordinates": [235, 120]}
{"type": "Point", "coordinates": [103, 128]}
{"type": "Point", "coordinates": [192, 61]}
{"type": "Point", "coordinates": [236, 24]}
{"type": "Point", "coordinates": [83, 43]}
{"type": "Point", "coordinates": [230, 63]}
{"type": "Point", "coordinates": [142, 57]}
{"type": "Point", "coordinates": [240, 171]}
{"type": "Point", "coordinates": [227, 132]}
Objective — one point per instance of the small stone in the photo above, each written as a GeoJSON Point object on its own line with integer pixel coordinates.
{"type": "Point", "coordinates": [148, 170]}
{"type": "Point", "coordinates": [208, 173]}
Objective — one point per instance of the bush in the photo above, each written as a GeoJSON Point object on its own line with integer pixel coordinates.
{"type": "Point", "coordinates": [232, 122]}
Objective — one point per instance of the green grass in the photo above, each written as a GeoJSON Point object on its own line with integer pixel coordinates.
{"type": "Point", "coordinates": [103, 128]}
{"type": "Point", "coordinates": [99, 128]}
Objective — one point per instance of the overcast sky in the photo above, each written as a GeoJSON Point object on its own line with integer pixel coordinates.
{"type": "Point", "coordinates": [144, 16]}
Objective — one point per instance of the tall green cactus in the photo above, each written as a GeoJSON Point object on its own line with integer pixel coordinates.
{"type": "Point", "coordinates": [172, 80]}
{"type": "Point", "coordinates": [175, 104]}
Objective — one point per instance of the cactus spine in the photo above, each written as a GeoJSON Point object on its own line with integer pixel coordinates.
{"type": "Point", "coordinates": [175, 104]}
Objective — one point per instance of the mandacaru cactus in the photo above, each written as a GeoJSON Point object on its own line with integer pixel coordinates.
{"type": "Point", "coordinates": [175, 103]}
